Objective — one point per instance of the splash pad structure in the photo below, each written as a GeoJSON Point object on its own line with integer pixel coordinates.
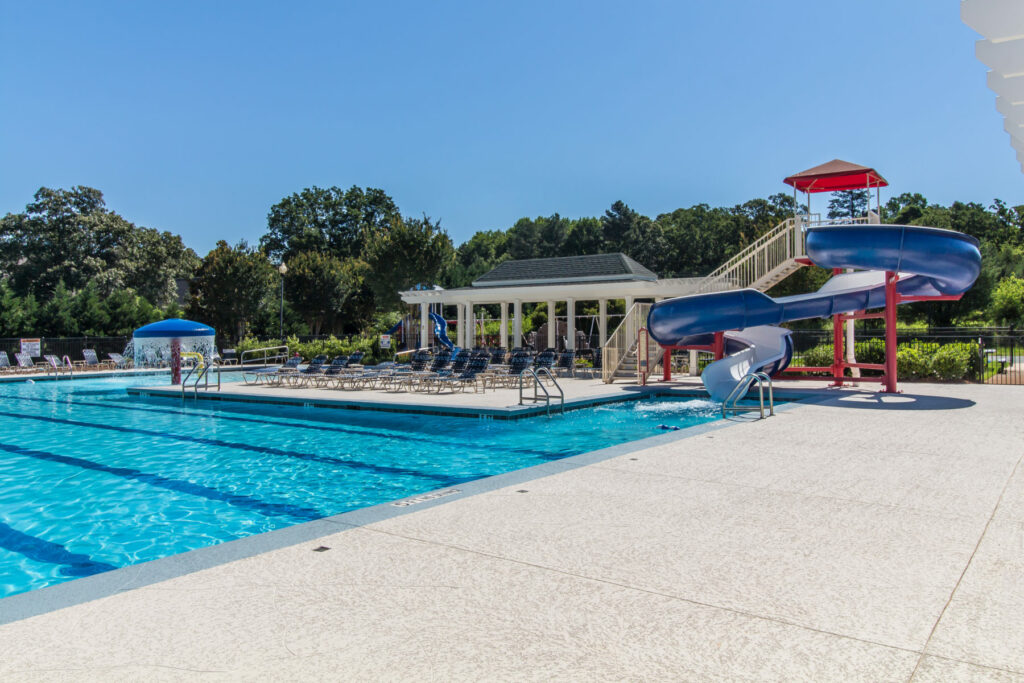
{"type": "Point", "coordinates": [164, 342]}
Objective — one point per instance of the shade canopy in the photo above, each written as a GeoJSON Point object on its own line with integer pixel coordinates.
{"type": "Point", "coordinates": [174, 327]}
{"type": "Point", "coordinates": [835, 176]}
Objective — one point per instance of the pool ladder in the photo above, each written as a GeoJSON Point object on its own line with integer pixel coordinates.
{"type": "Point", "coordinates": [203, 376]}
{"type": "Point", "coordinates": [732, 403]}
{"type": "Point", "coordinates": [535, 373]}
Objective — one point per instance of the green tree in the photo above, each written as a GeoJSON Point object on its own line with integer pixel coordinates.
{"type": "Point", "coordinates": [58, 316]}
{"type": "Point", "coordinates": [584, 238]}
{"type": "Point", "coordinates": [414, 251]}
{"type": "Point", "coordinates": [70, 236]}
{"type": "Point", "coordinates": [90, 315]}
{"type": "Point", "coordinates": [617, 223]}
{"type": "Point", "coordinates": [318, 285]}
{"type": "Point", "coordinates": [229, 288]}
{"type": "Point", "coordinates": [1008, 301]}
{"type": "Point", "coordinates": [850, 203]}
{"type": "Point", "coordinates": [17, 314]}
{"type": "Point", "coordinates": [332, 220]}
{"type": "Point", "coordinates": [127, 311]}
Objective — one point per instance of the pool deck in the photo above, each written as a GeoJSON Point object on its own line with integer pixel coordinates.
{"type": "Point", "coordinates": [858, 537]}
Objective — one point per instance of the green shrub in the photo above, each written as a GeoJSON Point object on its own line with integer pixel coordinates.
{"type": "Point", "coordinates": [819, 356]}
{"type": "Point", "coordinates": [870, 350]}
{"type": "Point", "coordinates": [952, 362]}
{"type": "Point", "coordinates": [912, 363]}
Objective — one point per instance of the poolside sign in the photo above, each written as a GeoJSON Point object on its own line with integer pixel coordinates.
{"type": "Point", "coordinates": [33, 347]}
{"type": "Point", "coordinates": [385, 341]}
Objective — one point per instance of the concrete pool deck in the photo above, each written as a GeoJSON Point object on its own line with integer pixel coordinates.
{"type": "Point", "coordinates": [862, 537]}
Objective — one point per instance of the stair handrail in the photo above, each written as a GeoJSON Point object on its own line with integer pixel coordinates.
{"type": "Point", "coordinates": [771, 251]}
{"type": "Point", "coordinates": [265, 350]}
{"type": "Point", "coordinates": [731, 403]}
{"type": "Point", "coordinates": [622, 341]}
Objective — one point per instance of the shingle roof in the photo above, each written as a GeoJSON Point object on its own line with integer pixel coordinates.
{"type": "Point", "coordinates": [595, 268]}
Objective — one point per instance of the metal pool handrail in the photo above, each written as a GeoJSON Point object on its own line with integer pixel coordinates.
{"type": "Point", "coordinates": [731, 403]}
{"type": "Point", "coordinates": [537, 398]}
{"type": "Point", "coordinates": [265, 350]}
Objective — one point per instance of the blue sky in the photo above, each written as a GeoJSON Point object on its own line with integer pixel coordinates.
{"type": "Point", "coordinates": [197, 117]}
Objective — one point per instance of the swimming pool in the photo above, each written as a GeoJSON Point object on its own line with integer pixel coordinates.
{"type": "Point", "coordinates": [92, 479]}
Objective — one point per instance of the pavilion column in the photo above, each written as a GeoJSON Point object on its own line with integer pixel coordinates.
{"type": "Point", "coordinates": [602, 321]}
{"type": "Point", "coordinates": [570, 327]}
{"type": "Point", "coordinates": [517, 323]}
{"type": "Point", "coordinates": [470, 338]}
{"type": "Point", "coordinates": [552, 326]}
{"type": "Point", "coordinates": [503, 330]}
{"type": "Point", "coordinates": [460, 323]}
{"type": "Point", "coordinates": [629, 303]}
{"type": "Point", "coordinates": [424, 329]}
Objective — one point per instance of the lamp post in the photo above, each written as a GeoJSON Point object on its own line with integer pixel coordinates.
{"type": "Point", "coordinates": [282, 269]}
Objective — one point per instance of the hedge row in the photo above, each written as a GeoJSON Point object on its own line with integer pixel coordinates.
{"type": "Point", "coordinates": [331, 347]}
{"type": "Point", "coordinates": [955, 361]}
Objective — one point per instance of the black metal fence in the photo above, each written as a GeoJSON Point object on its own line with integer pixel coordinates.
{"type": "Point", "coordinates": [68, 346]}
{"type": "Point", "coordinates": [982, 355]}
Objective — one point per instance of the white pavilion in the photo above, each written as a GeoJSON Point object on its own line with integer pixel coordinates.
{"type": "Point", "coordinates": [572, 279]}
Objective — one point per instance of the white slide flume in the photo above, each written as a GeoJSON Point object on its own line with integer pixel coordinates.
{"type": "Point", "coordinates": [768, 349]}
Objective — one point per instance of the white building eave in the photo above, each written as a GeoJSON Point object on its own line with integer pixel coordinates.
{"type": "Point", "coordinates": [579, 291]}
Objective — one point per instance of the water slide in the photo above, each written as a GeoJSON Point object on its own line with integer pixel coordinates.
{"type": "Point", "coordinates": [930, 262]}
{"type": "Point", "coordinates": [441, 330]}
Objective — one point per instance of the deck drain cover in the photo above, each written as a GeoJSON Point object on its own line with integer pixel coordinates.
{"type": "Point", "coordinates": [522, 491]}
{"type": "Point", "coordinates": [321, 549]}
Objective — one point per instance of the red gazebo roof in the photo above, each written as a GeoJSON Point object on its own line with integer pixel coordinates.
{"type": "Point", "coordinates": [836, 175]}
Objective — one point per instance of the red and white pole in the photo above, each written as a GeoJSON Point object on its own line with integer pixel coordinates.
{"type": "Point", "coordinates": [175, 361]}
{"type": "Point", "coordinates": [891, 301]}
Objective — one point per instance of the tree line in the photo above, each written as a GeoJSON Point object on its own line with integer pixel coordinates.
{"type": "Point", "coordinates": [70, 266]}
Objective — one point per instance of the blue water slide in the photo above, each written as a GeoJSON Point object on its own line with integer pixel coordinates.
{"type": "Point", "coordinates": [441, 330]}
{"type": "Point", "coordinates": [930, 261]}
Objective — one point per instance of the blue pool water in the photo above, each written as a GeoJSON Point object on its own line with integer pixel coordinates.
{"type": "Point", "coordinates": [92, 479]}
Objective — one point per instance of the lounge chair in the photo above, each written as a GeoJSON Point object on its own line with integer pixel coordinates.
{"type": "Point", "coordinates": [228, 357]}
{"type": "Point", "coordinates": [331, 372]}
{"type": "Point", "coordinates": [119, 361]}
{"type": "Point", "coordinates": [544, 359]}
{"type": "Point", "coordinates": [566, 364]}
{"type": "Point", "coordinates": [5, 364]}
{"type": "Point", "coordinates": [92, 362]}
{"type": "Point", "coordinates": [468, 377]}
{"type": "Point", "coordinates": [416, 379]}
{"type": "Point", "coordinates": [25, 363]}
{"type": "Point", "coordinates": [517, 365]}
{"type": "Point", "coordinates": [271, 375]}
{"type": "Point", "coordinates": [307, 374]}
{"type": "Point", "coordinates": [370, 377]}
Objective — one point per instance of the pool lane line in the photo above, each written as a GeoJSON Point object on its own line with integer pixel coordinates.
{"type": "Point", "coordinates": [236, 418]}
{"type": "Point", "coordinates": [294, 512]}
{"type": "Point", "coordinates": [267, 450]}
{"type": "Point", "coordinates": [74, 565]}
